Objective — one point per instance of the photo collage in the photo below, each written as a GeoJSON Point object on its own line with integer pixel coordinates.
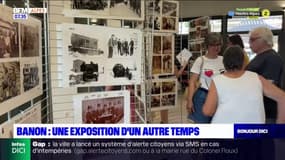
{"type": "Point", "coordinates": [163, 94]}
{"type": "Point", "coordinates": [162, 15]}
{"type": "Point", "coordinates": [101, 55]}
{"type": "Point", "coordinates": [20, 60]}
{"type": "Point", "coordinates": [163, 53]}
{"type": "Point", "coordinates": [198, 30]}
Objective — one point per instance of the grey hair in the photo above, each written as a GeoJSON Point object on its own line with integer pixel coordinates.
{"type": "Point", "coordinates": [265, 34]}
{"type": "Point", "coordinates": [213, 38]}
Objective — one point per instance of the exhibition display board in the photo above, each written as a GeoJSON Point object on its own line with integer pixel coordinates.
{"type": "Point", "coordinates": [20, 60]}
{"type": "Point", "coordinates": [99, 56]}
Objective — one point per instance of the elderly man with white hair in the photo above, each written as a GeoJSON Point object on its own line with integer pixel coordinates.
{"type": "Point", "coordinates": [266, 63]}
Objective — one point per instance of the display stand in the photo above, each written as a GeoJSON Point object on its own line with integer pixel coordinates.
{"type": "Point", "coordinates": [157, 33]}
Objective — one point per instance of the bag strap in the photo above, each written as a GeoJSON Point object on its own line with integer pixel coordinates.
{"type": "Point", "coordinates": [201, 67]}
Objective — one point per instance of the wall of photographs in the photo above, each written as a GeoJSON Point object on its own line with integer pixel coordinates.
{"type": "Point", "coordinates": [109, 9]}
{"type": "Point", "coordinates": [20, 60]}
{"type": "Point", "coordinates": [88, 60]}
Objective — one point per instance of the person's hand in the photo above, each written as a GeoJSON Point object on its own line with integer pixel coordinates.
{"type": "Point", "coordinates": [190, 106]}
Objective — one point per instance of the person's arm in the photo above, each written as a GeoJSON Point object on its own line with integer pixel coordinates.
{"type": "Point", "coordinates": [273, 92]}
{"type": "Point", "coordinates": [179, 72]}
{"type": "Point", "coordinates": [191, 86]}
{"type": "Point", "coordinates": [210, 106]}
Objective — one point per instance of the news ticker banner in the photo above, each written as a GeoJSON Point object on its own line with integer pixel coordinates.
{"type": "Point", "coordinates": [139, 149]}
{"type": "Point", "coordinates": [146, 131]}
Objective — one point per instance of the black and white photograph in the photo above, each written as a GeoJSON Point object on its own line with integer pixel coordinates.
{"type": "Point", "coordinates": [9, 80]}
{"type": "Point", "coordinates": [31, 75]}
{"type": "Point", "coordinates": [9, 38]}
{"type": "Point", "coordinates": [169, 8]}
{"type": "Point", "coordinates": [153, 7]}
{"type": "Point", "coordinates": [121, 71]}
{"type": "Point", "coordinates": [90, 4]}
{"type": "Point", "coordinates": [98, 56]}
{"type": "Point", "coordinates": [84, 45]}
{"type": "Point", "coordinates": [153, 23]}
{"type": "Point", "coordinates": [111, 107]}
{"type": "Point", "coordinates": [30, 40]}
{"type": "Point", "coordinates": [107, 9]}
{"type": "Point", "coordinates": [118, 47]}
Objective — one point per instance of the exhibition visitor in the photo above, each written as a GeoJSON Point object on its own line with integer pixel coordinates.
{"type": "Point", "coordinates": [237, 95]}
{"type": "Point", "coordinates": [204, 68]}
{"type": "Point", "coordinates": [266, 63]}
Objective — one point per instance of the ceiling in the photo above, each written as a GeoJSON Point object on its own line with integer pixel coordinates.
{"type": "Point", "coordinates": [212, 8]}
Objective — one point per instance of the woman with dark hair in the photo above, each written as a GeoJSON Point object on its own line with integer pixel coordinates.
{"type": "Point", "coordinates": [236, 40]}
{"type": "Point", "coordinates": [237, 95]}
{"type": "Point", "coordinates": [204, 68]}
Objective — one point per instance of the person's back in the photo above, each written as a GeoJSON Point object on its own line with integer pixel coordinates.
{"type": "Point", "coordinates": [246, 106]}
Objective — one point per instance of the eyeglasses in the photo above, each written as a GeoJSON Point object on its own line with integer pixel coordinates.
{"type": "Point", "coordinates": [215, 45]}
{"type": "Point", "coordinates": [252, 39]}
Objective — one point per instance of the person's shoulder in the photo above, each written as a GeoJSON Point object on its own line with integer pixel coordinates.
{"type": "Point", "coordinates": [273, 57]}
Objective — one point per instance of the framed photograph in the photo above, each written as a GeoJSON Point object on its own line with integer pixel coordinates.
{"type": "Point", "coordinates": [9, 80]}
{"type": "Point", "coordinates": [111, 107]}
{"type": "Point", "coordinates": [163, 53]}
{"type": "Point", "coordinates": [31, 72]}
{"type": "Point", "coordinates": [163, 15]}
{"type": "Point", "coordinates": [98, 56]}
{"type": "Point", "coordinates": [9, 37]}
{"type": "Point", "coordinates": [20, 60]}
{"type": "Point", "coordinates": [30, 40]}
{"type": "Point", "coordinates": [106, 9]}
{"type": "Point", "coordinates": [163, 94]}
{"type": "Point", "coordinates": [199, 28]}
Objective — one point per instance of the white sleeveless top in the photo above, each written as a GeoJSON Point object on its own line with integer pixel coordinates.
{"type": "Point", "coordinates": [240, 100]}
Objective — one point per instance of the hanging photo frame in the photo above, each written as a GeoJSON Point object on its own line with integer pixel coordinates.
{"type": "Point", "coordinates": [163, 54]}
{"type": "Point", "coordinates": [112, 107]}
{"type": "Point", "coordinates": [97, 56]}
{"type": "Point", "coordinates": [163, 15]}
{"type": "Point", "coordinates": [163, 94]}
